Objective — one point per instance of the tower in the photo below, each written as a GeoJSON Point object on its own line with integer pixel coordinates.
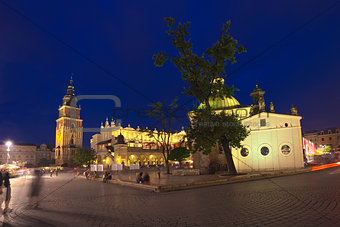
{"type": "Point", "coordinates": [69, 129]}
{"type": "Point", "coordinates": [258, 104]}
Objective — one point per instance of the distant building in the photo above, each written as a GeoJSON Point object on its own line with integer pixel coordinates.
{"type": "Point", "coordinates": [69, 129]}
{"type": "Point", "coordinates": [118, 145]}
{"type": "Point", "coordinates": [44, 152]}
{"type": "Point", "coordinates": [19, 153]}
{"type": "Point", "coordinates": [26, 153]}
{"type": "Point", "coordinates": [329, 136]}
{"type": "Point", "coordinates": [274, 142]}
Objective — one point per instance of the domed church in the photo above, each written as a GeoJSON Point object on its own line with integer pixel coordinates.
{"type": "Point", "coordinates": [274, 141]}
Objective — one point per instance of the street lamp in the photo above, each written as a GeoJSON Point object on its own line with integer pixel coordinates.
{"type": "Point", "coordinates": [8, 144]}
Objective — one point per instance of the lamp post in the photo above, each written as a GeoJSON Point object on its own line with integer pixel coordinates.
{"type": "Point", "coordinates": [8, 144]}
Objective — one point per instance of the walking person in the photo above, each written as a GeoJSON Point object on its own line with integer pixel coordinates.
{"type": "Point", "coordinates": [51, 172]}
{"type": "Point", "coordinates": [35, 190]}
{"type": "Point", "coordinates": [7, 185]}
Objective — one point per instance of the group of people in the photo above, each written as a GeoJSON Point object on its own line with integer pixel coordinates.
{"type": "Point", "coordinates": [106, 177]}
{"type": "Point", "coordinates": [143, 178]}
{"type": "Point", "coordinates": [5, 190]}
{"type": "Point", "coordinates": [57, 170]}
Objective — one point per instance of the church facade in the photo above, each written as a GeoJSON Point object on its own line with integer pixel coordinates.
{"type": "Point", "coordinates": [274, 141]}
{"type": "Point", "coordinates": [69, 129]}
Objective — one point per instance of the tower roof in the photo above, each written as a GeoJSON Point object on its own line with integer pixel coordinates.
{"type": "Point", "coordinates": [69, 98]}
{"type": "Point", "coordinates": [257, 91]}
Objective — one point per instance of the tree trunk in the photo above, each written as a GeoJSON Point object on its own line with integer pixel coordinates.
{"type": "Point", "coordinates": [167, 163]}
{"type": "Point", "coordinates": [229, 157]}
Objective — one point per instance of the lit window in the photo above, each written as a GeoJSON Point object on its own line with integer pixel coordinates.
{"type": "Point", "coordinates": [285, 149]}
{"type": "Point", "coordinates": [264, 151]}
{"type": "Point", "coordinates": [244, 152]}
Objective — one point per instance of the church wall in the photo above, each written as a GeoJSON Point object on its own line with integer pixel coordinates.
{"type": "Point", "coordinates": [273, 135]}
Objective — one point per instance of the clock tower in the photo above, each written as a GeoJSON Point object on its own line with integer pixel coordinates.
{"type": "Point", "coordinates": [69, 130]}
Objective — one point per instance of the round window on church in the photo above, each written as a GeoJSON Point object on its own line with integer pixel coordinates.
{"type": "Point", "coordinates": [244, 152]}
{"type": "Point", "coordinates": [285, 149]}
{"type": "Point", "coordinates": [264, 151]}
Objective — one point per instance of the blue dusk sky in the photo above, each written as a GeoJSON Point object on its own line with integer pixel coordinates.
{"type": "Point", "coordinates": [293, 53]}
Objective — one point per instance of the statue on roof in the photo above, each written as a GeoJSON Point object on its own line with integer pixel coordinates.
{"type": "Point", "coordinates": [293, 110]}
{"type": "Point", "coordinates": [272, 110]}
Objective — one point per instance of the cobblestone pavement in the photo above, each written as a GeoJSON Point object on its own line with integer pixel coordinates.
{"type": "Point", "coordinates": [309, 199]}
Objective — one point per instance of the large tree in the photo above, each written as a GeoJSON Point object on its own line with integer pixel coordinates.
{"type": "Point", "coordinates": [83, 156]}
{"type": "Point", "coordinates": [203, 76]}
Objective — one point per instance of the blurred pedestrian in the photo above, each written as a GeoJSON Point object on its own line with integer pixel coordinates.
{"type": "Point", "coordinates": [56, 172]}
{"type": "Point", "coordinates": [35, 189]}
{"type": "Point", "coordinates": [51, 172]}
{"type": "Point", "coordinates": [87, 174]}
{"type": "Point", "coordinates": [7, 185]}
{"type": "Point", "coordinates": [1, 189]}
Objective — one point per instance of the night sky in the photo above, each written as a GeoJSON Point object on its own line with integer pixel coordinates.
{"type": "Point", "coordinates": [293, 53]}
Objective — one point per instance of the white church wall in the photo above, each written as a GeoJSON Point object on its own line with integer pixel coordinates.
{"type": "Point", "coordinates": [279, 130]}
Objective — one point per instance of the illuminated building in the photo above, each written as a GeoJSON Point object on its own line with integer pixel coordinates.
{"type": "Point", "coordinates": [309, 150]}
{"type": "Point", "coordinates": [69, 129]}
{"type": "Point", "coordinates": [26, 153]}
{"type": "Point", "coordinates": [117, 145]}
{"type": "Point", "coordinates": [329, 136]}
{"type": "Point", "coordinates": [274, 142]}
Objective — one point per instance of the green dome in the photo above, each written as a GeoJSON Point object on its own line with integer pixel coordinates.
{"type": "Point", "coordinates": [221, 103]}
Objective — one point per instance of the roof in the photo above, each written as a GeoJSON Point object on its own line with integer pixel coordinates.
{"type": "Point", "coordinates": [19, 144]}
{"type": "Point", "coordinates": [104, 142]}
{"type": "Point", "coordinates": [221, 103]}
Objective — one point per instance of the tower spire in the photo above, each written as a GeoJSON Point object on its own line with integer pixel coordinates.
{"type": "Point", "coordinates": [71, 80]}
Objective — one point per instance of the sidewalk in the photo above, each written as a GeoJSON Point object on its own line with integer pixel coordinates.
{"type": "Point", "coordinates": [168, 182]}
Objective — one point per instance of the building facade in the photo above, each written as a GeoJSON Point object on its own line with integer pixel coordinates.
{"type": "Point", "coordinates": [44, 152]}
{"type": "Point", "coordinates": [117, 145]}
{"type": "Point", "coordinates": [20, 153]}
{"type": "Point", "coordinates": [329, 136]}
{"type": "Point", "coordinates": [69, 129]}
{"type": "Point", "coordinates": [274, 142]}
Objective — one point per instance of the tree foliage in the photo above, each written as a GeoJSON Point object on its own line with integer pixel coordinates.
{"type": "Point", "coordinates": [179, 154]}
{"type": "Point", "coordinates": [83, 156]}
{"type": "Point", "coordinates": [164, 114]}
{"type": "Point", "coordinates": [203, 76]}
{"type": "Point", "coordinates": [199, 72]}
{"type": "Point", "coordinates": [205, 134]}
